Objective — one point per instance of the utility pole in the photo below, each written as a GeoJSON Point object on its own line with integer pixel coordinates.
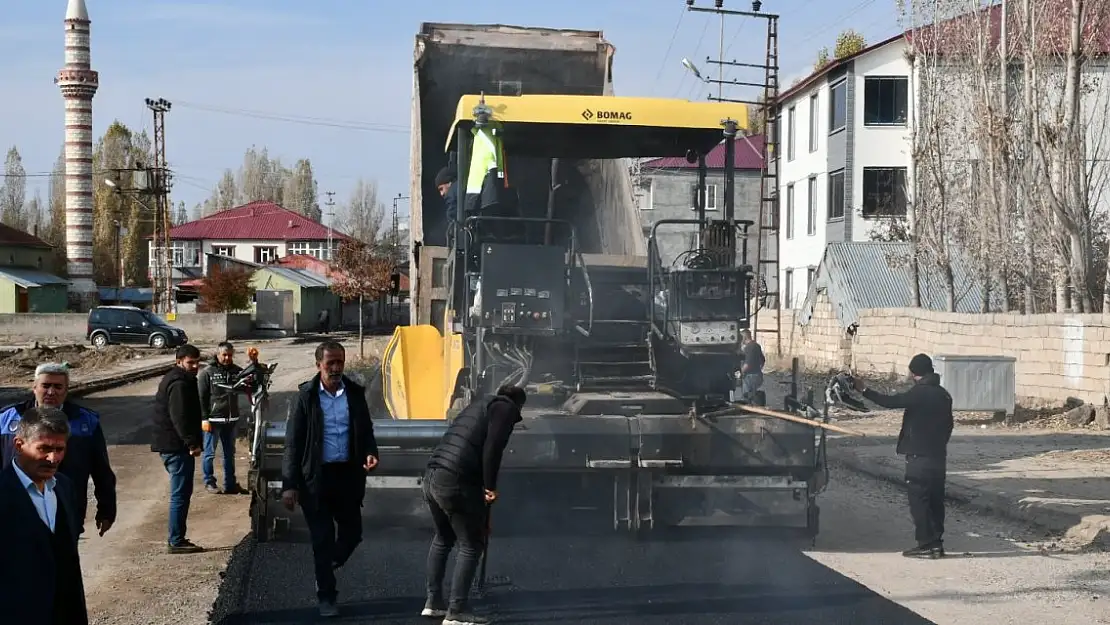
{"type": "Point", "coordinates": [767, 243]}
{"type": "Point", "coordinates": [164, 300]}
{"type": "Point", "coordinates": [331, 218]}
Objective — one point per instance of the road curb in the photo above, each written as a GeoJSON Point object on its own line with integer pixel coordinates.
{"type": "Point", "coordinates": [996, 504]}
{"type": "Point", "coordinates": [120, 379]}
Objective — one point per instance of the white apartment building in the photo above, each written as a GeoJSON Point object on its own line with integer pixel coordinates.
{"type": "Point", "coordinates": [844, 157]}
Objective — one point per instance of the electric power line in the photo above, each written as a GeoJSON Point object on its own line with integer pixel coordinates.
{"type": "Point", "coordinates": [296, 119]}
{"type": "Point", "coordinates": [667, 54]}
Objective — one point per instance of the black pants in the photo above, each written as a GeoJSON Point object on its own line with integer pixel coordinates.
{"type": "Point", "coordinates": [925, 477]}
{"type": "Point", "coordinates": [459, 513]}
{"type": "Point", "coordinates": [334, 518]}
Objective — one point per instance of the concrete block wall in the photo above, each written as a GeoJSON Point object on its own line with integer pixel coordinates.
{"type": "Point", "coordinates": [56, 328]}
{"type": "Point", "coordinates": [1058, 355]}
{"type": "Point", "coordinates": [820, 344]}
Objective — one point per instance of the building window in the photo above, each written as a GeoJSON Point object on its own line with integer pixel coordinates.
{"type": "Point", "coordinates": [777, 133]}
{"type": "Point", "coordinates": [790, 211]}
{"type": "Point", "coordinates": [838, 106]}
{"type": "Point", "coordinates": [836, 195]}
{"type": "Point", "coordinates": [885, 101]}
{"type": "Point", "coordinates": [224, 250]}
{"type": "Point", "coordinates": [791, 131]}
{"type": "Point", "coordinates": [813, 113]}
{"type": "Point", "coordinates": [811, 207]}
{"type": "Point", "coordinates": [811, 273]}
{"type": "Point", "coordinates": [182, 254]}
{"type": "Point", "coordinates": [789, 288]}
{"type": "Point", "coordinates": [265, 254]}
{"type": "Point", "coordinates": [315, 249]}
{"type": "Point", "coordinates": [884, 191]}
{"type": "Point", "coordinates": [711, 197]}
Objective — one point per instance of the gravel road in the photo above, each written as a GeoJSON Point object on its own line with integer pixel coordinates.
{"type": "Point", "coordinates": [996, 573]}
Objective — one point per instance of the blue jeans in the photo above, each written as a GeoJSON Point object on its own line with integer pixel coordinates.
{"type": "Point", "coordinates": [224, 434]}
{"type": "Point", "coordinates": [181, 467]}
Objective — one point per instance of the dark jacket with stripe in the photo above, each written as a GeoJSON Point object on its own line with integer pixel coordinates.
{"type": "Point", "coordinates": [473, 445]}
{"type": "Point", "coordinates": [40, 571]}
{"type": "Point", "coordinates": [86, 456]}
{"type": "Point", "coordinates": [304, 436]}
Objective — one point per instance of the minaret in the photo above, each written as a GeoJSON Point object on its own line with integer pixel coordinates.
{"type": "Point", "coordinates": [79, 83]}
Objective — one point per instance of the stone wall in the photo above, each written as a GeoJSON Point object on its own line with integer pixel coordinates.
{"type": "Point", "coordinates": [1058, 355]}
{"type": "Point", "coordinates": [22, 328]}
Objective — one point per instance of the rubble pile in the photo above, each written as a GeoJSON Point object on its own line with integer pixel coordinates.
{"type": "Point", "coordinates": [18, 367]}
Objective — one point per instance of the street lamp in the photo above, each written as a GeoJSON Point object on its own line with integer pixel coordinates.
{"type": "Point", "coordinates": [689, 65]}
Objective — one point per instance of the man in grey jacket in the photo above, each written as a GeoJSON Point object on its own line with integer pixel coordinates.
{"type": "Point", "coordinates": [221, 417]}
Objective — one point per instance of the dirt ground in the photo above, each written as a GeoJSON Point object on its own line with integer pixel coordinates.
{"type": "Point", "coordinates": [128, 566]}
{"type": "Point", "coordinates": [18, 367]}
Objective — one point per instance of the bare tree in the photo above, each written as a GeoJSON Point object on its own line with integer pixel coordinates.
{"type": "Point", "coordinates": [13, 194]}
{"type": "Point", "coordinates": [301, 193]}
{"type": "Point", "coordinates": [363, 218]}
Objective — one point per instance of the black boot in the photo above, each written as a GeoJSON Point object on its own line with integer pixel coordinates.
{"type": "Point", "coordinates": [932, 551]}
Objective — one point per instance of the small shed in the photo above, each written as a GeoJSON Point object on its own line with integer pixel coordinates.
{"type": "Point", "coordinates": [31, 290]}
{"type": "Point", "coordinates": [291, 299]}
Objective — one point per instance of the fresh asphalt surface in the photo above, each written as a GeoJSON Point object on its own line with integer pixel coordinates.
{"type": "Point", "coordinates": [569, 569]}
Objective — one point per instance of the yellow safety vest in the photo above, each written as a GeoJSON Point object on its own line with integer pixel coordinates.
{"type": "Point", "coordinates": [486, 153]}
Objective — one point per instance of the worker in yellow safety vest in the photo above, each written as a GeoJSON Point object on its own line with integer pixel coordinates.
{"type": "Point", "coordinates": [486, 181]}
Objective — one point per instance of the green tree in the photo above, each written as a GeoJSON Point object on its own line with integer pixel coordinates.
{"type": "Point", "coordinates": [848, 43]}
{"type": "Point", "coordinates": [55, 231]}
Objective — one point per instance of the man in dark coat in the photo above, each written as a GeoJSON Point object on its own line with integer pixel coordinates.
{"type": "Point", "coordinates": [40, 570]}
{"type": "Point", "coordinates": [461, 481]}
{"type": "Point", "coordinates": [86, 453]}
{"type": "Point", "coordinates": [926, 429]}
{"type": "Point", "coordinates": [177, 438]}
{"type": "Point", "coordinates": [329, 449]}
{"type": "Point", "coordinates": [221, 417]}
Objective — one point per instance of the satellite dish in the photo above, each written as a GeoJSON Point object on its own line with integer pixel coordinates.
{"type": "Point", "coordinates": [690, 66]}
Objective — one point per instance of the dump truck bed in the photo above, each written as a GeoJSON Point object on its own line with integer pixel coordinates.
{"type": "Point", "coordinates": [452, 60]}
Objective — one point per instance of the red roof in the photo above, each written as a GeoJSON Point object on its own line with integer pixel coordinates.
{"type": "Point", "coordinates": [18, 238]}
{"type": "Point", "coordinates": [748, 155]}
{"type": "Point", "coordinates": [960, 35]}
{"type": "Point", "coordinates": [257, 221]}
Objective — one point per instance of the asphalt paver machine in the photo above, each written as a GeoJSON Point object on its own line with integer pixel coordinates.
{"type": "Point", "coordinates": [628, 361]}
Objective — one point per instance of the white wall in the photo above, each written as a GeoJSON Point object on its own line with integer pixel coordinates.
{"type": "Point", "coordinates": [878, 146]}
{"type": "Point", "coordinates": [803, 250]}
{"type": "Point", "coordinates": [244, 249]}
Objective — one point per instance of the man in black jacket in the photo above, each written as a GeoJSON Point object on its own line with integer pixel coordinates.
{"type": "Point", "coordinates": [177, 437]}
{"type": "Point", "coordinates": [86, 451]}
{"type": "Point", "coordinates": [221, 417]}
{"type": "Point", "coordinates": [926, 429]}
{"type": "Point", "coordinates": [40, 569]}
{"type": "Point", "coordinates": [329, 448]}
{"type": "Point", "coordinates": [461, 481]}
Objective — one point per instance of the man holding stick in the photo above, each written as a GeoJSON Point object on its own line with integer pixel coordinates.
{"type": "Point", "coordinates": [459, 486]}
{"type": "Point", "coordinates": [926, 429]}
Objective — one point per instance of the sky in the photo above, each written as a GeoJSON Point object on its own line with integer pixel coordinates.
{"type": "Point", "coordinates": [331, 80]}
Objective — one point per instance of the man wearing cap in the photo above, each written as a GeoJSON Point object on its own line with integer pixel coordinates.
{"type": "Point", "coordinates": [87, 452]}
{"type": "Point", "coordinates": [445, 182]}
{"type": "Point", "coordinates": [926, 429]}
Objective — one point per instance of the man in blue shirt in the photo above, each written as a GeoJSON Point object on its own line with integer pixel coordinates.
{"type": "Point", "coordinates": [87, 453]}
{"type": "Point", "coordinates": [329, 449]}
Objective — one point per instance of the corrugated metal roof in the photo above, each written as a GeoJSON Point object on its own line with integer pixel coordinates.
{"type": "Point", "coordinates": [26, 278]}
{"type": "Point", "coordinates": [867, 274]}
{"type": "Point", "coordinates": [301, 277]}
{"type": "Point", "coordinates": [748, 155]}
